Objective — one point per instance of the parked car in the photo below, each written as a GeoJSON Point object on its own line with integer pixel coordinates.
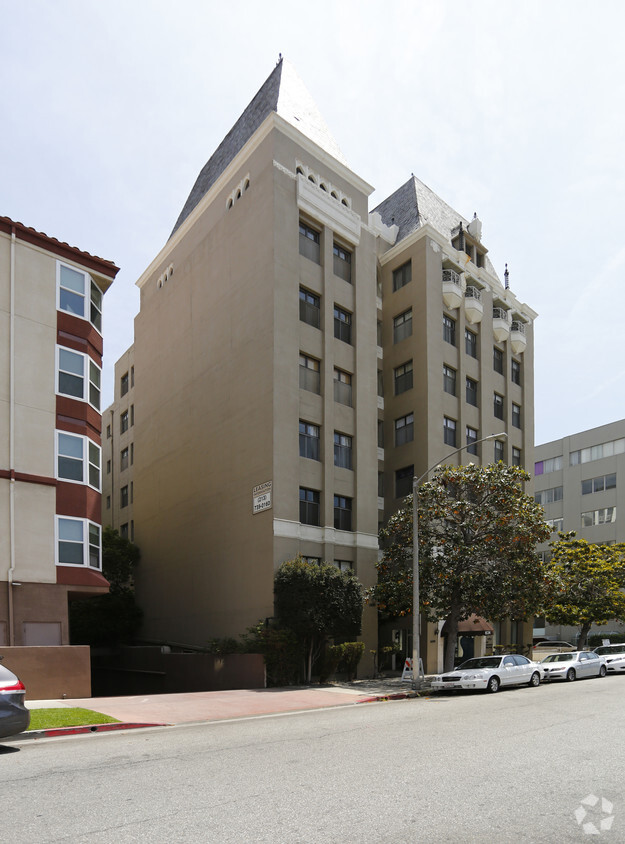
{"type": "Point", "coordinates": [14, 716]}
{"type": "Point", "coordinates": [489, 673]}
{"type": "Point", "coordinates": [571, 666]}
{"type": "Point", "coordinates": [614, 656]}
{"type": "Point", "coordinates": [543, 649]}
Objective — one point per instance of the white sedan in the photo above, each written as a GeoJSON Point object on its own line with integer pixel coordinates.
{"type": "Point", "coordinates": [489, 673]}
{"type": "Point", "coordinates": [614, 656]}
{"type": "Point", "coordinates": [573, 665]}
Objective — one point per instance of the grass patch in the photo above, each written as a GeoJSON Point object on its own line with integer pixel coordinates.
{"type": "Point", "coordinates": [50, 719]}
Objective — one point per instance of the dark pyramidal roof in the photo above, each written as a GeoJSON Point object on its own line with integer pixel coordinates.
{"type": "Point", "coordinates": [283, 93]}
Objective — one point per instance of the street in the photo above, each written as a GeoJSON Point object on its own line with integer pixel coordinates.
{"type": "Point", "coordinates": [514, 766]}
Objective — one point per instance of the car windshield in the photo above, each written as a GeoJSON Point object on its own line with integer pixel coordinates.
{"type": "Point", "coordinates": [481, 662]}
{"type": "Point", "coordinates": [611, 649]}
{"type": "Point", "coordinates": [558, 658]}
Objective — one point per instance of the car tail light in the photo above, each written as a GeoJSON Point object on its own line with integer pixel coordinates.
{"type": "Point", "coordinates": [13, 687]}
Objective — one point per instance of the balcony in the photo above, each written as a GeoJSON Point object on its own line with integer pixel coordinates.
{"type": "Point", "coordinates": [518, 340]}
{"type": "Point", "coordinates": [452, 289]}
{"type": "Point", "coordinates": [473, 307]}
{"type": "Point", "coordinates": [501, 324]}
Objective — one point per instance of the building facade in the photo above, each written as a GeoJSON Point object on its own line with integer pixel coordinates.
{"type": "Point", "coordinates": [50, 426]}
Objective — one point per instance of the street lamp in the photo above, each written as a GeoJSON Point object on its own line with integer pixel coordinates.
{"type": "Point", "coordinates": [416, 650]}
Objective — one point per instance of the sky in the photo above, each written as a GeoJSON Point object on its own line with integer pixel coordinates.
{"type": "Point", "coordinates": [513, 110]}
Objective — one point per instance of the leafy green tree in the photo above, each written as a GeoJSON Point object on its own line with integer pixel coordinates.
{"type": "Point", "coordinates": [585, 583]}
{"type": "Point", "coordinates": [317, 602]}
{"type": "Point", "coordinates": [478, 532]}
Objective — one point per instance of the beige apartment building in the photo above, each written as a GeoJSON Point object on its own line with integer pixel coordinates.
{"type": "Point", "coordinates": [50, 424]}
{"type": "Point", "coordinates": [297, 359]}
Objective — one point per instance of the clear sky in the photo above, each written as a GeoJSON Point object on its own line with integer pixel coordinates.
{"type": "Point", "coordinates": [514, 110]}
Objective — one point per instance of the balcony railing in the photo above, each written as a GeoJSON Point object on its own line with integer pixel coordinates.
{"type": "Point", "coordinates": [473, 293]}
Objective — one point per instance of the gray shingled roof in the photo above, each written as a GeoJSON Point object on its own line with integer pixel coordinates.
{"type": "Point", "coordinates": [414, 204]}
{"type": "Point", "coordinates": [284, 93]}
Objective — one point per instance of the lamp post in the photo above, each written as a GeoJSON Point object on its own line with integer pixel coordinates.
{"type": "Point", "coordinates": [416, 650]}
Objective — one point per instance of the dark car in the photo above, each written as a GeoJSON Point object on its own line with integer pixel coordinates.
{"type": "Point", "coordinates": [14, 716]}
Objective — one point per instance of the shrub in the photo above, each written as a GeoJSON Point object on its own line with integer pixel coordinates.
{"type": "Point", "coordinates": [331, 661]}
{"type": "Point", "coordinates": [352, 654]}
{"type": "Point", "coordinates": [282, 652]}
{"type": "Point", "coordinates": [596, 639]}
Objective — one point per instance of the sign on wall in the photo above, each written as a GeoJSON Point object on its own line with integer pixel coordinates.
{"type": "Point", "coordinates": [261, 497]}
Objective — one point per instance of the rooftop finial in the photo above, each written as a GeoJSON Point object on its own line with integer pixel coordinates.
{"type": "Point", "coordinates": [279, 58]}
{"type": "Point", "coordinates": [506, 277]}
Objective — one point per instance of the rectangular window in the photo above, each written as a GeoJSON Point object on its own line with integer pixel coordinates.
{"type": "Point", "coordinates": [516, 456]}
{"type": "Point", "coordinates": [132, 376]}
{"type": "Point", "coordinates": [470, 343]}
{"type": "Point", "coordinates": [449, 431]}
{"type": "Point", "coordinates": [402, 376]}
{"type": "Point", "coordinates": [404, 429]}
{"type": "Point", "coordinates": [132, 453]}
{"type": "Point", "coordinates": [308, 506]}
{"type": "Point", "coordinates": [403, 481]}
{"type": "Point", "coordinates": [449, 330]}
{"type": "Point", "coordinates": [77, 376]}
{"type": "Point", "coordinates": [342, 512]}
{"type": "Point", "coordinates": [604, 516]}
{"type": "Point", "coordinates": [108, 502]}
{"type": "Point", "coordinates": [449, 380]}
{"type": "Point", "coordinates": [497, 360]}
{"type": "Point", "coordinates": [342, 387]}
{"type": "Point", "coordinates": [471, 435]}
{"type": "Point", "coordinates": [123, 496]}
{"type": "Point", "coordinates": [597, 452]}
{"type": "Point", "coordinates": [380, 383]}
{"type": "Point", "coordinates": [108, 432]}
{"type": "Point", "coordinates": [380, 433]}
{"type": "Point", "coordinates": [309, 243]}
{"type": "Point", "coordinates": [132, 415]}
{"type": "Point", "coordinates": [342, 263]}
{"type": "Point", "coordinates": [309, 308]}
{"type": "Point", "coordinates": [545, 467]}
{"type": "Point", "coordinates": [344, 565]}
{"type": "Point", "coordinates": [498, 406]}
{"type": "Point", "coordinates": [515, 372]}
{"type": "Point", "coordinates": [123, 531]}
{"type": "Point", "coordinates": [548, 496]}
{"type": "Point", "coordinates": [402, 275]}
{"type": "Point", "coordinates": [555, 524]}
{"type": "Point", "coordinates": [79, 542]}
{"type": "Point", "coordinates": [124, 459]}
{"type": "Point", "coordinates": [516, 415]}
{"type": "Point", "coordinates": [599, 484]}
{"type": "Point", "coordinates": [379, 333]}
{"type": "Point", "coordinates": [471, 391]}
{"type": "Point", "coordinates": [342, 325]}
{"type": "Point", "coordinates": [123, 422]}
{"type": "Point", "coordinates": [309, 376]}
{"type": "Point", "coordinates": [123, 385]}
{"type": "Point", "coordinates": [79, 295]}
{"type": "Point", "coordinates": [342, 450]}
{"type": "Point", "coordinates": [313, 561]}
{"type": "Point", "coordinates": [498, 451]}
{"type": "Point", "coordinates": [78, 459]}
{"type": "Point", "coordinates": [380, 484]}
{"type": "Point", "coordinates": [402, 326]}
{"type": "Point", "coordinates": [108, 467]}
{"type": "Point", "coordinates": [309, 440]}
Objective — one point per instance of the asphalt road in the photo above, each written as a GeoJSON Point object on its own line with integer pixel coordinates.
{"type": "Point", "coordinates": [510, 767]}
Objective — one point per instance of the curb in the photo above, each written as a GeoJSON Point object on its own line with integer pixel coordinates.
{"type": "Point", "coordinates": [411, 695]}
{"type": "Point", "coordinates": [59, 732]}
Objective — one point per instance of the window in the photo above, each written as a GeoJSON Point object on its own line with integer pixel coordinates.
{"type": "Point", "coordinates": [108, 467]}
{"type": "Point", "coordinates": [123, 496]}
{"type": "Point", "coordinates": [498, 406]}
{"type": "Point", "coordinates": [449, 380]}
{"type": "Point", "coordinates": [548, 496]}
{"type": "Point", "coordinates": [379, 333]}
{"type": "Point", "coordinates": [599, 484]}
{"type": "Point", "coordinates": [108, 432]}
{"type": "Point", "coordinates": [380, 484]}
{"type": "Point", "coordinates": [342, 325]}
{"type": "Point", "coordinates": [381, 383]}
{"type": "Point", "coordinates": [342, 512]}
{"type": "Point", "coordinates": [402, 326]}
{"type": "Point", "coordinates": [402, 376]}
{"type": "Point", "coordinates": [79, 295]}
{"type": "Point", "coordinates": [515, 372]}
{"type": "Point", "coordinates": [604, 516]}
{"type": "Point", "coordinates": [344, 565]}
{"type": "Point", "coordinates": [123, 422]}
{"type": "Point", "coordinates": [449, 330]}
{"type": "Point", "coordinates": [309, 308]}
{"type": "Point", "coordinates": [380, 433]}
{"type": "Point", "coordinates": [308, 440]}
{"type": "Point", "coordinates": [132, 453]}
{"type": "Point", "coordinates": [498, 360]}
{"type": "Point", "coordinates": [342, 263]}
{"type": "Point", "coordinates": [123, 531]}
{"type": "Point", "coordinates": [78, 459]}
{"type": "Point", "coordinates": [132, 415]}
{"type": "Point", "coordinates": [470, 342]}
{"type": "Point", "coordinates": [498, 451]}
{"type": "Point", "coordinates": [449, 431]}
{"type": "Point", "coordinates": [124, 456]}
{"type": "Point", "coordinates": [597, 452]}
{"type": "Point", "coordinates": [108, 502]}
{"type": "Point", "coordinates": [556, 525]}
{"type": "Point", "coordinates": [79, 543]}
{"type": "Point", "coordinates": [342, 450]}
{"type": "Point", "coordinates": [308, 506]}
{"type": "Point", "coordinates": [313, 561]}
{"type": "Point", "coordinates": [78, 376]}
{"type": "Point", "coordinates": [402, 275]}
{"type": "Point", "coordinates": [471, 438]}
{"type": "Point", "coordinates": [123, 385]}
{"type": "Point", "coordinates": [516, 456]}
{"type": "Point", "coordinates": [516, 415]}
{"type": "Point", "coordinates": [403, 481]}
{"type": "Point", "coordinates": [309, 243]}
{"type": "Point", "coordinates": [132, 376]}
{"type": "Point", "coordinates": [404, 429]}
{"type": "Point", "coordinates": [309, 378]}
{"type": "Point", "coordinates": [544, 467]}
{"type": "Point", "coordinates": [471, 391]}
{"type": "Point", "coordinates": [342, 387]}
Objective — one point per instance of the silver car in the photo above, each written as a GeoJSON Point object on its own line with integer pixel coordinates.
{"type": "Point", "coordinates": [614, 656]}
{"type": "Point", "coordinates": [489, 673]}
{"type": "Point", "coordinates": [14, 716]}
{"type": "Point", "coordinates": [574, 665]}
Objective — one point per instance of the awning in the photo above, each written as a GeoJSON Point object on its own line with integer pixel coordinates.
{"type": "Point", "coordinates": [474, 625]}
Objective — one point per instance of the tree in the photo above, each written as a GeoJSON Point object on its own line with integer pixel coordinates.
{"type": "Point", "coordinates": [585, 583]}
{"type": "Point", "coordinates": [478, 532]}
{"type": "Point", "coordinates": [109, 620]}
{"type": "Point", "coordinates": [317, 602]}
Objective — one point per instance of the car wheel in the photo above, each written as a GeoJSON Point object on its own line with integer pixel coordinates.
{"type": "Point", "coordinates": [571, 675]}
{"type": "Point", "coordinates": [493, 685]}
{"type": "Point", "coordinates": [603, 671]}
{"type": "Point", "coordinates": [534, 679]}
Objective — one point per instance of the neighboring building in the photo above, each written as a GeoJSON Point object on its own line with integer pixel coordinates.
{"type": "Point", "coordinates": [291, 344]}
{"type": "Point", "coordinates": [118, 451]}
{"type": "Point", "coordinates": [50, 425]}
{"type": "Point", "coordinates": [580, 482]}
